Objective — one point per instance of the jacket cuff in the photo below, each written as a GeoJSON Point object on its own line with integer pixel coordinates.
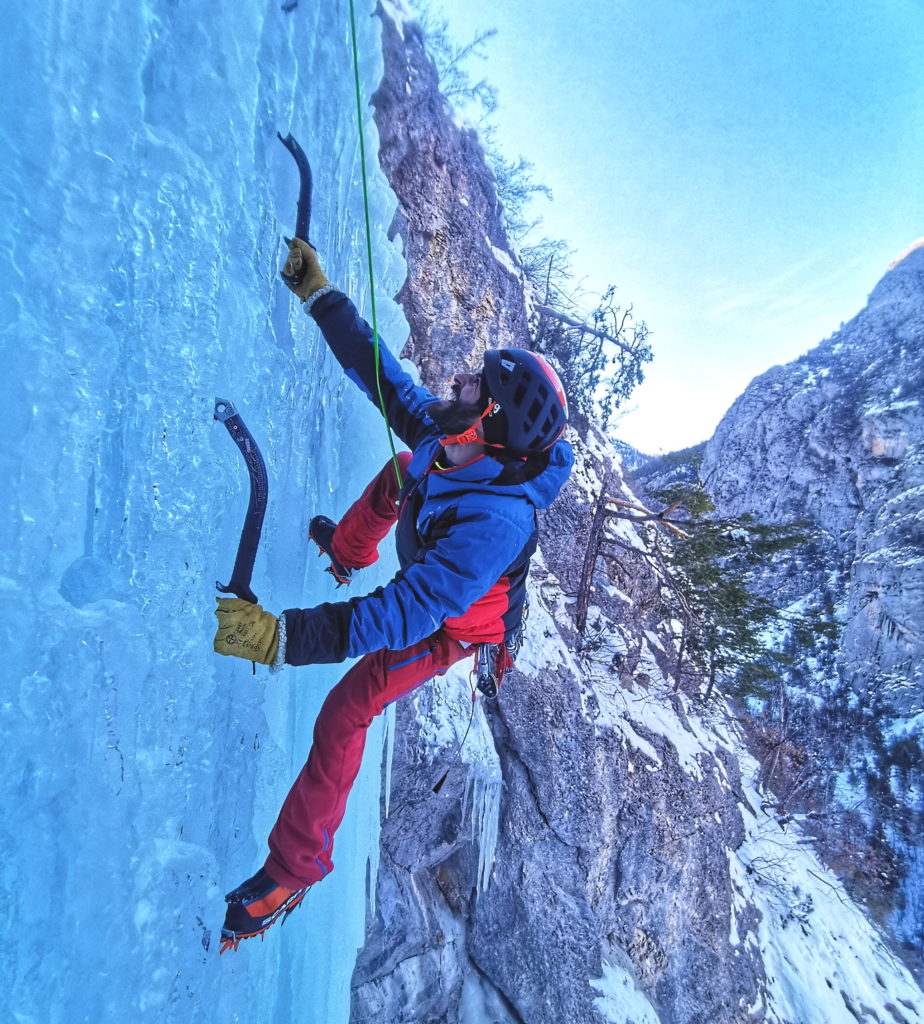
{"type": "Point", "coordinates": [280, 659]}
{"type": "Point", "coordinates": [323, 300]}
{"type": "Point", "coordinates": [319, 294]}
{"type": "Point", "coordinates": [316, 636]}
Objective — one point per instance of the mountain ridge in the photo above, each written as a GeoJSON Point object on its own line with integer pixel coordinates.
{"type": "Point", "coordinates": [836, 437]}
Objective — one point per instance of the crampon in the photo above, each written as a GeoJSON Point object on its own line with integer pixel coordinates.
{"type": "Point", "coordinates": [321, 531]}
{"type": "Point", "coordinates": [254, 906]}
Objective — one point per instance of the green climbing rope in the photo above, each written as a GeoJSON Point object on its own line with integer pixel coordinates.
{"type": "Point", "coordinates": [362, 160]}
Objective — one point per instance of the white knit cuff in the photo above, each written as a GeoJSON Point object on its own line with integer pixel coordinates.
{"type": "Point", "coordinates": [280, 662]}
{"type": "Point", "coordinates": [320, 293]}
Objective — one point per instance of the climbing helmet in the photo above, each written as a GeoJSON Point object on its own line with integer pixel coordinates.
{"type": "Point", "coordinates": [530, 410]}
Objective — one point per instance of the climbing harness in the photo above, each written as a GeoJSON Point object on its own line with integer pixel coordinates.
{"type": "Point", "coordinates": [239, 584]}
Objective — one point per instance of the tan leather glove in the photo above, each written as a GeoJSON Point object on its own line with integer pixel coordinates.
{"type": "Point", "coordinates": [302, 271]}
{"type": "Point", "coordinates": [246, 631]}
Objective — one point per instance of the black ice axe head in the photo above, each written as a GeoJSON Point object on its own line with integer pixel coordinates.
{"type": "Point", "coordinates": [239, 584]}
{"type": "Point", "coordinates": [303, 213]}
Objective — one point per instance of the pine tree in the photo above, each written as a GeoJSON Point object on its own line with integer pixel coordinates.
{"type": "Point", "coordinates": [730, 633]}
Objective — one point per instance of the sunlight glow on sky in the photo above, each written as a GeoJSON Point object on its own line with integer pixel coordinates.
{"type": "Point", "coordinates": [743, 172]}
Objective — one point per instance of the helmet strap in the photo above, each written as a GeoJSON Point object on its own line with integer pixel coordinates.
{"type": "Point", "coordinates": [470, 436]}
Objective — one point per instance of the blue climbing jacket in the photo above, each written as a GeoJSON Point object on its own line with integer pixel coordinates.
{"type": "Point", "coordinates": [465, 534]}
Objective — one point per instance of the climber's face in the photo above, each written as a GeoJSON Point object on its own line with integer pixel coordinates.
{"type": "Point", "coordinates": [463, 408]}
{"type": "Point", "coordinates": [465, 387]}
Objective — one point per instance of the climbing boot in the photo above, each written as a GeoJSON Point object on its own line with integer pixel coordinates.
{"type": "Point", "coordinates": [255, 905]}
{"type": "Point", "coordinates": [321, 531]}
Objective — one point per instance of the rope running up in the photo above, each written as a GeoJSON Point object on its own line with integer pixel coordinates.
{"type": "Point", "coordinates": [375, 328]}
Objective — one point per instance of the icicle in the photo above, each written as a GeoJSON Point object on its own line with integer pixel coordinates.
{"type": "Point", "coordinates": [389, 752]}
{"type": "Point", "coordinates": [486, 798]}
{"type": "Point", "coordinates": [484, 786]}
{"type": "Point", "coordinates": [465, 795]}
{"type": "Point", "coordinates": [372, 875]}
{"type": "Point", "coordinates": [487, 809]}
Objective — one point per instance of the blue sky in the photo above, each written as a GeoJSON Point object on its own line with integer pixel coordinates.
{"type": "Point", "coordinates": [743, 172]}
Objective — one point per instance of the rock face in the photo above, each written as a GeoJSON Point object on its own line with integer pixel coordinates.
{"type": "Point", "coordinates": [837, 437]}
{"type": "Point", "coordinates": [612, 845]}
{"type": "Point", "coordinates": [463, 290]}
{"type": "Point", "coordinates": [596, 850]}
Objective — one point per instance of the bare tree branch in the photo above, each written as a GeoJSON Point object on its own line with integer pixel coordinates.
{"type": "Point", "coordinates": [582, 326]}
{"type": "Point", "coordinates": [590, 556]}
{"type": "Point", "coordinates": [646, 515]}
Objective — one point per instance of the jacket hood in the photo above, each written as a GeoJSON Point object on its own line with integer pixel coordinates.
{"type": "Point", "coordinates": [543, 488]}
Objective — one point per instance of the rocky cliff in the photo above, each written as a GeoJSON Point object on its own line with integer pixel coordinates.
{"type": "Point", "coordinates": [463, 288]}
{"type": "Point", "coordinates": [837, 437]}
{"type": "Point", "coordinates": [598, 851]}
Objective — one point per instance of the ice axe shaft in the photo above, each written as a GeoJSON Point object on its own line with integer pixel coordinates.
{"type": "Point", "coordinates": [239, 584]}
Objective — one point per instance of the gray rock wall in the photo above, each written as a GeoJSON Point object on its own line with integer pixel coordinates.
{"type": "Point", "coordinates": [458, 299]}
{"type": "Point", "coordinates": [837, 437]}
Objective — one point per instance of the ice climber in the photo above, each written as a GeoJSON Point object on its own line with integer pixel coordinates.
{"type": "Point", "coordinates": [481, 463]}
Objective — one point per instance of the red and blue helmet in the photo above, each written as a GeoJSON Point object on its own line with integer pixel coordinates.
{"type": "Point", "coordinates": [533, 409]}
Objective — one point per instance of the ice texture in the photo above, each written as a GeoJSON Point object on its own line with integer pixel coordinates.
{"type": "Point", "coordinates": [144, 196]}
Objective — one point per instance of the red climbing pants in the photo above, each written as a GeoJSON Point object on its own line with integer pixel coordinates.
{"type": "Point", "coordinates": [367, 521]}
{"type": "Point", "coordinates": [302, 840]}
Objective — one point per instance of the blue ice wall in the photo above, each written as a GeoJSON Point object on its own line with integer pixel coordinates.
{"type": "Point", "coordinates": [143, 198]}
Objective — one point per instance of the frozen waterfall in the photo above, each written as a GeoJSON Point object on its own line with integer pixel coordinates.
{"type": "Point", "coordinates": [144, 198]}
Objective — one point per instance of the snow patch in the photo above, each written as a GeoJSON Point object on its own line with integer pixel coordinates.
{"type": "Point", "coordinates": [399, 13]}
{"type": "Point", "coordinates": [820, 951]}
{"type": "Point", "coordinates": [619, 1000]}
{"type": "Point", "coordinates": [504, 259]}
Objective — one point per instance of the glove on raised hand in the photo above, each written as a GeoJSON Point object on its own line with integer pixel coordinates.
{"type": "Point", "coordinates": [302, 271]}
{"type": "Point", "coordinates": [246, 631]}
